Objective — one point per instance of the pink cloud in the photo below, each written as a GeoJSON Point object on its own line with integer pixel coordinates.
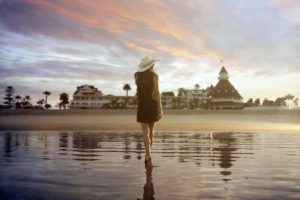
{"type": "Point", "coordinates": [118, 18]}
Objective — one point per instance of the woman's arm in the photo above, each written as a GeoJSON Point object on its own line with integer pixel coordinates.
{"type": "Point", "coordinates": [157, 94]}
{"type": "Point", "coordinates": [136, 78]}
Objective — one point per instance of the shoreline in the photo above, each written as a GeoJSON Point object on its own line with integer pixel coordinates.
{"type": "Point", "coordinates": [133, 111]}
{"type": "Point", "coordinates": [173, 120]}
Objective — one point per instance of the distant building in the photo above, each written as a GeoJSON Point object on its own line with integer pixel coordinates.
{"type": "Point", "coordinates": [192, 98]}
{"type": "Point", "coordinates": [167, 99]}
{"type": "Point", "coordinates": [224, 95]}
{"type": "Point", "coordinates": [199, 94]}
{"type": "Point", "coordinates": [87, 96]}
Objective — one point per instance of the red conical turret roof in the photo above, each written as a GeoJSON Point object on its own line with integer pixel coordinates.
{"type": "Point", "coordinates": [223, 71]}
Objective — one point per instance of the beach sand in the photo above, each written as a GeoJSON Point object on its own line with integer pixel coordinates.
{"type": "Point", "coordinates": [198, 120]}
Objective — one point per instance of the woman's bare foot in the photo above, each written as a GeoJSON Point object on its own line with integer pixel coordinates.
{"type": "Point", "coordinates": [148, 162]}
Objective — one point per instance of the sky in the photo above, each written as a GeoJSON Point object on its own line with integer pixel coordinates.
{"type": "Point", "coordinates": [57, 45]}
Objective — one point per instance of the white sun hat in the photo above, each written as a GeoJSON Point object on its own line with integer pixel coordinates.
{"type": "Point", "coordinates": [146, 63]}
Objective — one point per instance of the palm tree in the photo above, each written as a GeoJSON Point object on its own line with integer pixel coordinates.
{"type": "Point", "coordinates": [64, 97]}
{"type": "Point", "coordinates": [46, 93]}
{"type": "Point", "coordinates": [126, 87]}
{"type": "Point", "coordinates": [40, 102]}
{"type": "Point", "coordinates": [18, 97]}
{"type": "Point", "coordinates": [27, 98]}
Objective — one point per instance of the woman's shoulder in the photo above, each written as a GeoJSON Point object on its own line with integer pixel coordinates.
{"type": "Point", "coordinates": [147, 72]}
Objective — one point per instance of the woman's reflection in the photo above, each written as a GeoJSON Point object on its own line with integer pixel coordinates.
{"type": "Point", "coordinates": [148, 187]}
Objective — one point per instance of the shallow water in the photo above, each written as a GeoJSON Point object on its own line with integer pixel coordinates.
{"type": "Point", "coordinates": [187, 165]}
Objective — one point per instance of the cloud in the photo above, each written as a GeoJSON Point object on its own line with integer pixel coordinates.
{"type": "Point", "coordinates": [288, 10]}
{"type": "Point", "coordinates": [102, 41]}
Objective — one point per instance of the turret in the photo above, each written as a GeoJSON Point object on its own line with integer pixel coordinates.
{"type": "Point", "coordinates": [223, 75]}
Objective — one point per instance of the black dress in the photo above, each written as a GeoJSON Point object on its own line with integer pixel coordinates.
{"type": "Point", "coordinates": [148, 94]}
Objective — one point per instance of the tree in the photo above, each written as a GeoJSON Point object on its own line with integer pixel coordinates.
{"type": "Point", "coordinates": [40, 102]}
{"type": "Point", "coordinates": [181, 92]}
{"type": "Point", "coordinates": [197, 86]}
{"type": "Point", "coordinates": [64, 97]}
{"type": "Point", "coordinates": [48, 106]}
{"type": "Point", "coordinates": [250, 103]}
{"type": "Point", "coordinates": [267, 102]}
{"type": "Point", "coordinates": [18, 97]}
{"type": "Point", "coordinates": [175, 103]}
{"type": "Point", "coordinates": [288, 99]}
{"type": "Point", "coordinates": [167, 94]}
{"type": "Point", "coordinates": [206, 104]}
{"type": "Point", "coordinates": [296, 100]}
{"type": "Point", "coordinates": [126, 87]}
{"type": "Point", "coordinates": [209, 90]}
{"type": "Point", "coordinates": [46, 93]}
{"type": "Point", "coordinates": [280, 101]}
{"type": "Point", "coordinates": [257, 102]}
{"type": "Point", "coordinates": [115, 103]}
{"type": "Point", "coordinates": [196, 102]}
{"type": "Point", "coordinates": [191, 104]}
{"type": "Point", "coordinates": [26, 100]}
{"type": "Point", "coordinates": [9, 95]}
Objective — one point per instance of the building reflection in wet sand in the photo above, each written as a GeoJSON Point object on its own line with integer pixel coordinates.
{"type": "Point", "coordinates": [86, 146]}
{"type": "Point", "coordinates": [211, 159]}
{"type": "Point", "coordinates": [219, 147]}
{"type": "Point", "coordinates": [225, 150]}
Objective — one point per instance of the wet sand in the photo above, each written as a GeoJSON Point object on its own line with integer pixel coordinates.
{"type": "Point", "coordinates": [240, 120]}
{"type": "Point", "coordinates": [88, 165]}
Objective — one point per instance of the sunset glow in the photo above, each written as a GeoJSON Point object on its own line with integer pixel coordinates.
{"type": "Point", "coordinates": [58, 45]}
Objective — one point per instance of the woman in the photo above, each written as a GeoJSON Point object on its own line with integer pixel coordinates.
{"type": "Point", "coordinates": [149, 103]}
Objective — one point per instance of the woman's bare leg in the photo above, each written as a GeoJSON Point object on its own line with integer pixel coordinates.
{"type": "Point", "coordinates": [151, 128]}
{"type": "Point", "coordinates": [145, 130]}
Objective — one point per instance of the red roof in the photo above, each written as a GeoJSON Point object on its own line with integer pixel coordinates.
{"type": "Point", "coordinates": [94, 89]}
{"type": "Point", "coordinates": [224, 89]}
{"type": "Point", "coordinates": [223, 70]}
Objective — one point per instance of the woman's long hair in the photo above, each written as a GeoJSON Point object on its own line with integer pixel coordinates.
{"type": "Point", "coordinates": [142, 78]}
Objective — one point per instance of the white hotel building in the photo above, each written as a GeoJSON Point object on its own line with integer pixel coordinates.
{"type": "Point", "coordinates": [88, 96]}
